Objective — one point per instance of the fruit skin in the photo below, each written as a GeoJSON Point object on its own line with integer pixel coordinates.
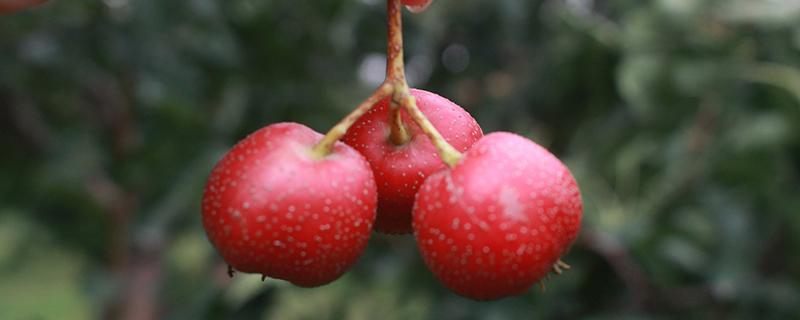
{"type": "Point", "coordinates": [400, 170]}
{"type": "Point", "coordinates": [416, 2]}
{"type": "Point", "coordinates": [494, 225]}
{"type": "Point", "coordinates": [269, 207]}
{"type": "Point", "coordinates": [417, 5]}
{"type": "Point", "coordinates": [10, 6]}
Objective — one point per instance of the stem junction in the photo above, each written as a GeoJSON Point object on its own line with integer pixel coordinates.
{"type": "Point", "coordinates": [396, 87]}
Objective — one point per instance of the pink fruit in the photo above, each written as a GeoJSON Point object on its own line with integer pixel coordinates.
{"type": "Point", "coordinates": [400, 170]}
{"type": "Point", "coordinates": [417, 5]}
{"type": "Point", "coordinates": [271, 207]}
{"type": "Point", "coordinates": [497, 222]}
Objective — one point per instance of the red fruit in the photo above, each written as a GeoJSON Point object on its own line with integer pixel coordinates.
{"type": "Point", "coordinates": [496, 223]}
{"type": "Point", "coordinates": [400, 170]}
{"type": "Point", "coordinates": [9, 6]}
{"type": "Point", "coordinates": [270, 207]}
{"type": "Point", "coordinates": [417, 5]}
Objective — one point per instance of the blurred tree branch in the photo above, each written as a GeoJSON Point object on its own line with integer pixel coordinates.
{"type": "Point", "coordinates": [27, 120]}
{"type": "Point", "coordinates": [646, 294]}
{"type": "Point", "coordinates": [137, 264]}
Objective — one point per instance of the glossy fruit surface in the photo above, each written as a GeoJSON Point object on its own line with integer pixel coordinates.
{"type": "Point", "coordinates": [400, 170]}
{"type": "Point", "coordinates": [417, 5]}
{"type": "Point", "coordinates": [494, 225]}
{"type": "Point", "coordinates": [270, 207]}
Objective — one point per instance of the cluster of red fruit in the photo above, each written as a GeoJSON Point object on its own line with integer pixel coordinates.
{"type": "Point", "coordinates": [289, 203]}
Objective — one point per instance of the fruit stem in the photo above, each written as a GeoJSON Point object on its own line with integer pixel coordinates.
{"type": "Point", "coordinates": [398, 134]}
{"type": "Point", "coordinates": [396, 86]}
{"type": "Point", "coordinates": [395, 68]}
{"type": "Point", "coordinates": [325, 146]}
{"type": "Point", "coordinates": [447, 153]}
{"type": "Point", "coordinates": [395, 75]}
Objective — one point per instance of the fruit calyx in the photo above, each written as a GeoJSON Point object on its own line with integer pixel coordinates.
{"type": "Point", "coordinates": [560, 266]}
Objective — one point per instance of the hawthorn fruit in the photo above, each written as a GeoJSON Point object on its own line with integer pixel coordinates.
{"type": "Point", "coordinates": [400, 169]}
{"type": "Point", "coordinates": [498, 221]}
{"type": "Point", "coordinates": [272, 206]}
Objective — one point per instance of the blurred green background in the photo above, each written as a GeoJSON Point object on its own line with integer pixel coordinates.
{"type": "Point", "coordinates": [679, 118]}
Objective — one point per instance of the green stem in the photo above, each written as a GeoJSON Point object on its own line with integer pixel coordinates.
{"type": "Point", "coordinates": [395, 69]}
{"type": "Point", "coordinates": [395, 74]}
{"type": "Point", "coordinates": [396, 86]}
{"type": "Point", "coordinates": [398, 134]}
{"type": "Point", "coordinates": [325, 146]}
{"type": "Point", "coordinates": [449, 155]}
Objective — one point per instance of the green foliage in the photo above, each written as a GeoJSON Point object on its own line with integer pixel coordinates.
{"type": "Point", "coordinates": [680, 120]}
